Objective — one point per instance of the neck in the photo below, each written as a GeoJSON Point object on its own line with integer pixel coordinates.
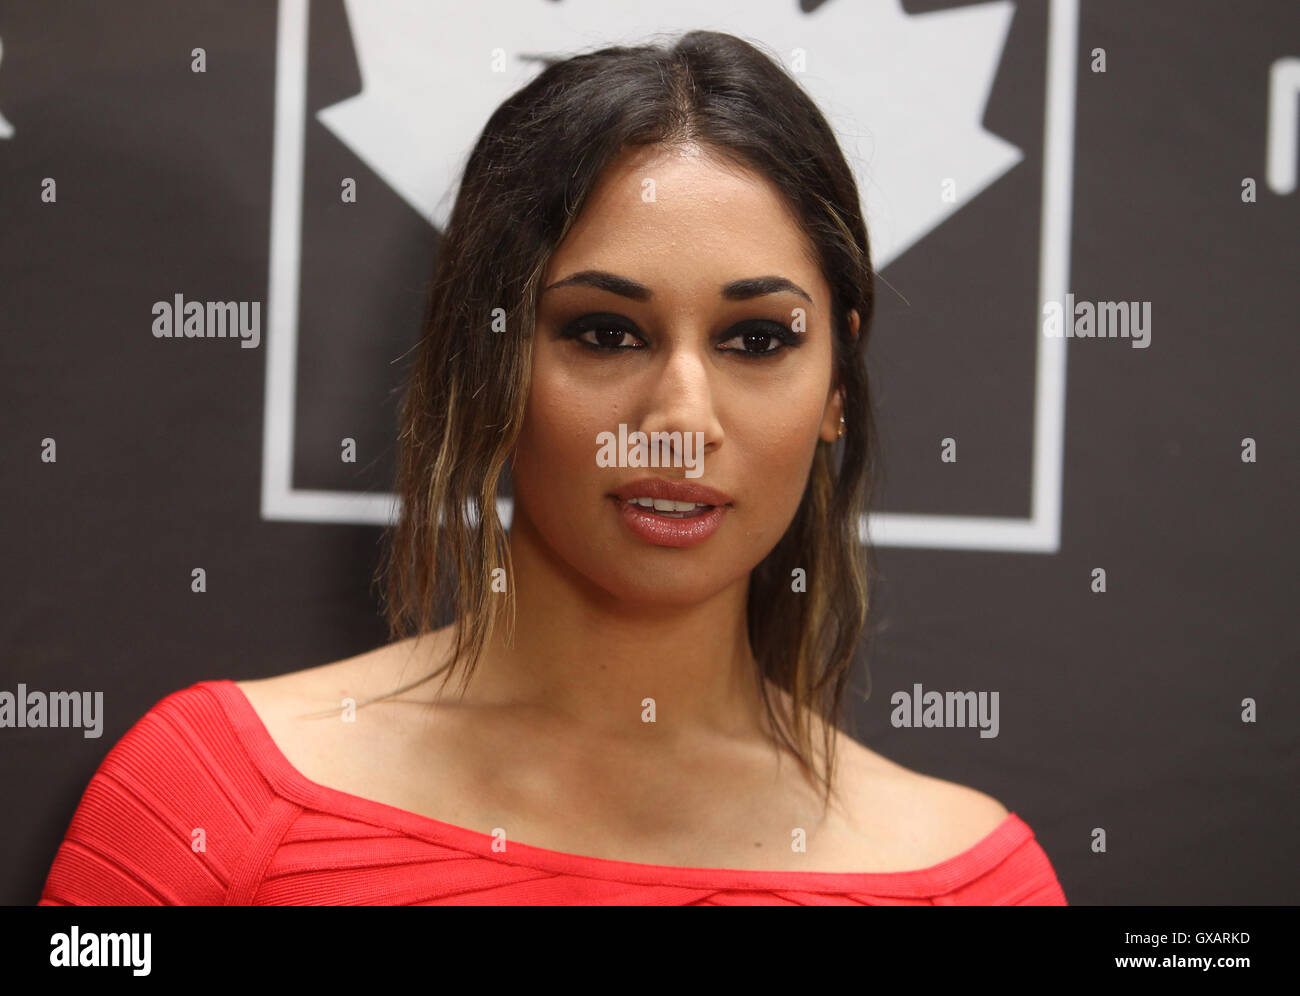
{"type": "Point", "coordinates": [591, 660]}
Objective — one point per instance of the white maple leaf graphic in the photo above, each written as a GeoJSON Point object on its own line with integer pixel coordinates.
{"type": "Point", "coordinates": [905, 93]}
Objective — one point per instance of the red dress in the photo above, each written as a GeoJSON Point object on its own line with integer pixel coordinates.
{"type": "Point", "coordinates": [196, 805]}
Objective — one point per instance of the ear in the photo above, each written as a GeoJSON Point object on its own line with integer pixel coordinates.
{"type": "Point", "coordinates": [830, 430]}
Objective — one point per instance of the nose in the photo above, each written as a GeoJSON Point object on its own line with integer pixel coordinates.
{"type": "Point", "coordinates": [681, 399]}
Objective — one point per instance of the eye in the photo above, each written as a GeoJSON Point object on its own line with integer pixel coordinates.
{"type": "Point", "coordinates": [609, 333]}
{"type": "Point", "coordinates": [759, 339]}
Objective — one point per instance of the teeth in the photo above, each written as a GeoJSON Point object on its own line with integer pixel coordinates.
{"type": "Point", "coordinates": [666, 505]}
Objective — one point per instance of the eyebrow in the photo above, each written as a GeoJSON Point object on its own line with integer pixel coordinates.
{"type": "Point", "coordinates": [736, 290]}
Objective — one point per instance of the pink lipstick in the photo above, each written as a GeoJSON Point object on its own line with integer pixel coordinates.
{"type": "Point", "coordinates": [671, 513]}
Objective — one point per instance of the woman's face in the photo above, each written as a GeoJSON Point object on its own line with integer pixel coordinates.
{"type": "Point", "coordinates": [663, 349]}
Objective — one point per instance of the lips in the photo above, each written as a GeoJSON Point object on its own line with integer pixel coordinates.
{"type": "Point", "coordinates": [678, 528]}
{"type": "Point", "coordinates": [658, 487]}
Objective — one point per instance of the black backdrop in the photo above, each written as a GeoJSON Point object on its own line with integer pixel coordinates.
{"type": "Point", "coordinates": [1119, 710]}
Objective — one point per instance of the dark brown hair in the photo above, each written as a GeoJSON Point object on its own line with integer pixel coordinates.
{"type": "Point", "coordinates": [525, 183]}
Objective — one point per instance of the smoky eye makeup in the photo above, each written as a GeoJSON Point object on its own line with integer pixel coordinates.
{"type": "Point", "coordinates": [759, 338]}
{"type": "Point", "coordinates": [748, 339]}
{"type": "Point", "coordinates": [604, 332]}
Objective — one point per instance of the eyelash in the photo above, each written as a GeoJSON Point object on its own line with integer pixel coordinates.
{"type": "Point", "coordinates": [608, 323]}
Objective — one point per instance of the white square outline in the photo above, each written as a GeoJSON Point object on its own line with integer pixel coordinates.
{"type": "Point", "coordinates": [1040, 533]}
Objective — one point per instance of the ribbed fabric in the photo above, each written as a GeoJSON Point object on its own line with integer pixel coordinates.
{"type": "Point", "coordinates": [196, 805]}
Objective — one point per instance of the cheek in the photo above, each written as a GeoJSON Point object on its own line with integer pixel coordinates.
{"type": "Point", "coordinates": [777, 424]}
{"type": "Point", "coordinates": [777, 449]}
{"type": "Point", "coordinates": [556, 451]}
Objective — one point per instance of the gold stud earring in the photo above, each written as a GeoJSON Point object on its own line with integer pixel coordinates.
{"type": "Point", "coordinates": [840, 434]}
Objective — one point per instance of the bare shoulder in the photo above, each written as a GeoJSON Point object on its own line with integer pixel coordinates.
{"type": "Point", "coordinates": [932, 819]}
{"type": "Point", "coordinates": [296, 708]}
{"type": "Point", "coordinates": [364, 676]}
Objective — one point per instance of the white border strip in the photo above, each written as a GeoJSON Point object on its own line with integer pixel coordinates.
{"type": "Point", "coordinates": [279, 501]}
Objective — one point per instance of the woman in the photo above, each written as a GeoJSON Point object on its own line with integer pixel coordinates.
{"type": "Point", "coordinates": [650, 663]}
